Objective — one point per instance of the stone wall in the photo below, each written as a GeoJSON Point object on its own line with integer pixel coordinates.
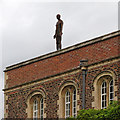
{"type": "Point", "coordinates": [17, 97]}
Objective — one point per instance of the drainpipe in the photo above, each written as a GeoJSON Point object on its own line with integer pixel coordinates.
{"type": "Point", "coordinates": [83, 66]}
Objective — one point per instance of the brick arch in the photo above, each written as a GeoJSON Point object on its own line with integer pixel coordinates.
{"type": "Point", "coordinates": [97, 86]}
{"type": "Point", "coordinates": [30, 98]}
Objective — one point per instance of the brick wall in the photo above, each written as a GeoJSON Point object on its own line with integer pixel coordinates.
{"type": "Point", "coordinates": [94, 53]}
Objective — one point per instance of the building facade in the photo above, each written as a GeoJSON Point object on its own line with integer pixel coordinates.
{"type": "Point", "coordinates": [51, 86]}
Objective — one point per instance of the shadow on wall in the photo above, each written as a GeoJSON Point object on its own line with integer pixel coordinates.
{"type": "Point", "coordinates": [119, 15]}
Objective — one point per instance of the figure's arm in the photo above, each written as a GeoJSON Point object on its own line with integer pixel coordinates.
{"type": "Point", "coordinates": [55, 34]}
{"type": "Point", "coordinates": [61, 27]}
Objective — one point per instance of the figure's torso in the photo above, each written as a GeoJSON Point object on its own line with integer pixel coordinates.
{"type": "Point", "coordinates": [59, 27]}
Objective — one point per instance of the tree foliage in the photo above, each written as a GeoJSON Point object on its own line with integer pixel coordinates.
{"type": "Point", "coordinates": [112, 112]}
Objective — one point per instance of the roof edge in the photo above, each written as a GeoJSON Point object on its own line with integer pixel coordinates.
{"type": "Point", "coordinates": [73, 47]}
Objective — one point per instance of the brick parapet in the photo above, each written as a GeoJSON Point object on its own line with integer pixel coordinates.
{"type": "Point", "coordinates": [61, 61]}
{"type": "Point", "coordinates": [77, 46]}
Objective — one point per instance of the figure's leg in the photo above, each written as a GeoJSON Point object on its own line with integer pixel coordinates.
{"type": "Point", "coordinates": [57, 47]}
{"type": "Point", "coordinates": [58, 42]}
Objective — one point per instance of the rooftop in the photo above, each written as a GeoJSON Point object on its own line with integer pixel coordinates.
{"type": "Point", "coordinates": [62, 51]}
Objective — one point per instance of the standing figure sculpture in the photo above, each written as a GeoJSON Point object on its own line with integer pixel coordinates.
{"type": "Point", "coordinates": [58, 32]}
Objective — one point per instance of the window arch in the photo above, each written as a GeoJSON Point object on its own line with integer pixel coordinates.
{"type": "Point", "coordinates": [68, 100]}
{"type": "Point", "coordinates": [104, 89]}
{"type": "Point", "coordinates": [35, 106]}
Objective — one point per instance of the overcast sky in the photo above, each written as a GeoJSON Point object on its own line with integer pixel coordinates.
{"type": "Point", "coordinates": [27, 27]}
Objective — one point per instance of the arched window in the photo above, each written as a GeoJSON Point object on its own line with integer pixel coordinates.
{"type": "Point", "coordinates": [35, 106]}
{"type": "Point", "coordinates": [111, 91]}
{"type": "Point", "coordinates": [68, 101]}
{"type": "Point", "coordinates": [104, 90]}
{"type": "Point", "coordinates": [38, 107]}
{"type": "Point", "coordinates": [103, 95]}
{"type": "Point", "coordinates": [35, 109]}
{"type": "Point", "coordinates": [74, 104]}
{"type": "Point", "coordinates": [67, 104]}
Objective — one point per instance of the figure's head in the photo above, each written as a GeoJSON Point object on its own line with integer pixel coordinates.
{"type": "Point", "coordinates": [58, 16]}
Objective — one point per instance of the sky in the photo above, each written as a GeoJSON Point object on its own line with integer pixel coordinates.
{"type": "Point", "coordinates": [27, 27]}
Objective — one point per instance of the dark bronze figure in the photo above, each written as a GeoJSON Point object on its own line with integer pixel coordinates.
{"type": "Point", "coordinates": [58, 32]}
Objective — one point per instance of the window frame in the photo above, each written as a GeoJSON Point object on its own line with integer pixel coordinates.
{"type": "Point", "coordinates": [104, 95]}
{"type": "Point", "coordinates": [74, 101]}
{"type": "Point", "coordinates": [110, 100]}
{"type": "Point", "coordinates": [41, 108]}
{"type": "Point", "coordinates": [107, 76]}
{"type": "Point", "coordinates": [69, 85]}
{"type": "Point", "coordinates": [67, 103]}
{"type": "Point", "coordinates": [35, 111]}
